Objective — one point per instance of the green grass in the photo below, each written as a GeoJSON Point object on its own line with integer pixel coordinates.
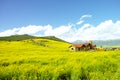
{"type": "Point", "coordinates": [27, 60]}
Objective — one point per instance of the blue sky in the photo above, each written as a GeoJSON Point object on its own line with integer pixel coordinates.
{"type": "Point", "coordinates": [57, 13]}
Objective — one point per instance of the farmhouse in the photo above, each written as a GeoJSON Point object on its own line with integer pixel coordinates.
{"type": "Point", "coordinates": [81, 47]}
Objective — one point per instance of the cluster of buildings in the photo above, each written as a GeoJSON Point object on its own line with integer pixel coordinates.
{"type": "Point", "coordinates": [83, 47]}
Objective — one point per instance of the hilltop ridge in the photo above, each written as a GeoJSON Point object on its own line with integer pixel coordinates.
{"type": "Point", "coordinates": [26, 36]}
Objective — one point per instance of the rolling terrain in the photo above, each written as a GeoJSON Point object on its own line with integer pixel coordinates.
{"type": "Point", "coordinates": [50, 59]}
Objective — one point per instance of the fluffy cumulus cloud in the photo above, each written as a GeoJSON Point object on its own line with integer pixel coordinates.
{"type": "Point", "coordinates": [31, 29]}
{"type": "Point", "coordinates": [104, 31]}
{"type": "Point", "coordinates": [58, 31]}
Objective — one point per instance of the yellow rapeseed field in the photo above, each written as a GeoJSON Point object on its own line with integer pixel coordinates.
{"type": "Point", "coordinates": [44, 59]}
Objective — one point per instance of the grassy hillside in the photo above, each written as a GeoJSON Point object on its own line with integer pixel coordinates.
{"type": "Point", "coordinates": [25, 36]}
{"type": "Point", "coordinates": [52, 38]}
{"type": "Point", "coordinates": [16, 37]}
{"type": "Point", "coordinates": [44, 59]}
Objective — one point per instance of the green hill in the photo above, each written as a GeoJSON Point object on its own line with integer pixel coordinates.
{"type": "Point", "coordinates": [52, 38]}
{"type": "Point", "coordinates": [26, 36]}
{"type": "Point", "coordinates": [16, 37]}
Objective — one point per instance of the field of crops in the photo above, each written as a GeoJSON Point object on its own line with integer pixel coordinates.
{"type": "Point", "coordinates": [44, 59]}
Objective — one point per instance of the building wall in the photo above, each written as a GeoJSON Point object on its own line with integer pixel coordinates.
{"type": "Point", "coordinates": [72, 48]}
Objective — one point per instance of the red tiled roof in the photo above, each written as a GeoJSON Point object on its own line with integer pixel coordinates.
{"type": "Point", "coordinates": [78, 45]}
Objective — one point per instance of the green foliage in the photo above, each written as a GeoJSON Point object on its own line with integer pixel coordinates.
{"type": "Point", "coordinates": [29, 60]}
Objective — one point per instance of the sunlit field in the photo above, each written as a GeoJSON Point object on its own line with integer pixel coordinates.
{"type": "Point", "coordinates": [44, 59]}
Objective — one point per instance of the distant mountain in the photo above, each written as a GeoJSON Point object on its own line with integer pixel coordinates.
{"type": "Point", "coordinates": [101, 42]}
{"type": "Point", "coordinates": [26, 36]}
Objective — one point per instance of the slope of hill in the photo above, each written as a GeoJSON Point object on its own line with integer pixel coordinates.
{"type": "Point", "coordinates": [52, 38]}
{"type": "Point", "coordinates": [26, 36]}
{"type": "Point", "coordinates": [35, 44]}
{"type": "Point", "coordinates": [16, 37]}
{"type": "Point", "coordinates": [101, 42]}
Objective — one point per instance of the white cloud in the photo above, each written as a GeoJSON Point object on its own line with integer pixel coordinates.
{"type": "Point", "coordinates": [82, 19]}
{"type": "Point", "coordinates": [79, 22]}
{"type": "Point", "coordinates": [31, 29]}
{"type": "Point", "coordinates": [9, 32]}
{"type": "Point", "coordinates": [58, 31]}
{"type": "Point", "coordinates": [105, 30]}
{"type": "Point", "coordinates": [86, 16]}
